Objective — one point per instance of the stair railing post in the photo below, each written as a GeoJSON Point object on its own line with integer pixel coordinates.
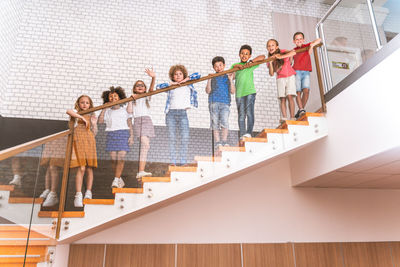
{"type": "Point", "coordinates": [320, 83]}
{"type": "Point", "coordinates": [64, 182]}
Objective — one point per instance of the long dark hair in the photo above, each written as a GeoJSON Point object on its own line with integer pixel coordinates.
{"type": "Point", "coordinates": [278, 63]}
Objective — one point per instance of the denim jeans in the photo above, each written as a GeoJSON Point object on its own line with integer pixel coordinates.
{"type": "Point", "coordinates": [177, 120]}
{"type": "Point", "coordinates": [245, 107]}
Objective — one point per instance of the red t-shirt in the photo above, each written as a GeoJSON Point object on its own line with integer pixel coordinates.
{"type": "Point", "coordinates": [302, 61]}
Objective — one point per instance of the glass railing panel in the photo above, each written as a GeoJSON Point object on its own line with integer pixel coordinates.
{"type": "Point", "coordinates": [387, 14]}
{"type": "Point", "coordinates": [349, 38]}
{"type": "Point", "coordinates": [26, 207]}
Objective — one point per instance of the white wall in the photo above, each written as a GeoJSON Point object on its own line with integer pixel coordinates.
{"type": "Point", "coordinates": [363, 121]}
{"type": "Point", "coordinates": [261, 206]}
{"type": "Point", "coordinates": [68, 48]}
{"type": "Point", "coordinates": [10, 17]}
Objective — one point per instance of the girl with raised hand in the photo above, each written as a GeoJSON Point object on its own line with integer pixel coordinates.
{"type": "Point", "coordinates": [142, 124]}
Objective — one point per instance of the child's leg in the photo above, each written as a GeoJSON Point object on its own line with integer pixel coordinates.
{"type": "Point", "coordinates": [241, 109]}
{"type": "Point", "coordinates": [184, 131]}
{"type": "Point", "coordinates": [89, 178]}
{"type": "Point", "coordinates": [113, 155]}
{"type": "Point", "coordinates": [291, 105]}
{"type": "Point", "coordinates": [299, 101]}
{"type": "Point", "coordinates": [144, 148]}
{"type": "Point", "coordinates": [120, 163]}
{"type": "Point", "coordinates": [47, 179]}
{"type": "Point", "coordinates": [170, 121]}
{"type": "Point", "coordinates": [283, 107]}
{"type": "Point", "coordinates": [54, 178]}
{"type": "Point", "coordinates": [224, 121]}
{"type": "Point", "coordinates": [214, 120]}
{"type": "Point", "coordinates": [250, 101]}
{"type": "Point", "coordinates": [79, 178]}
{"type": "Point", "coordinates": [304, 97]}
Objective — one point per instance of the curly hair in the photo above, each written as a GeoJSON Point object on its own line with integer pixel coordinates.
{"type": "Point", "coordinates": [119, 90]}
{"type": "Point", "coordinates": [79, 98]}
{"type": "Point", "coordinates": [278, 63]}
{"type": "Point", "coordinates": [175, 68]}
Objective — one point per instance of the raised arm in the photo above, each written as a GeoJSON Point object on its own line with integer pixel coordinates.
{"type": "Point", "coordinates": [152, 74]}
{"type": "Point", "coordinates": [93, 121]}
{"type": "Point", "coordinates": [271, 66]}
{"type": "Point", "coordinates": [285, 55]}
{"type": "Point", "coordinates": [101, 116]}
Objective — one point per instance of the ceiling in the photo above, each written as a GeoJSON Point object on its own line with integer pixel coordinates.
{"type": "Point", "coordinates": [380, 171]}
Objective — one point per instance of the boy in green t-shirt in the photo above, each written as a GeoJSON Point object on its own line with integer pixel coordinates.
{"type": "Point", "coordinates": [245, 91]}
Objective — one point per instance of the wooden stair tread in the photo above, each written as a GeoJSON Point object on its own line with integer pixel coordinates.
{"type": "Point", "coordinates": [21, 234]}
{"type": "Point", "coordinates": [172, 168]}
{"type": "Point", "coordinates": [290, 122]}
{"type": "Point", "coordinates": [32, 242]}
{"type": "Point", "coordinates": [232, 148]}
{"type": "Point", "coordinates": [18, 265]}
{"type": "Point", "coordinates": [20, 250]}
{"type": "Point", "coordinates": [207, 158]}
{"type": "Point", "coordinates": [25, 200]}
{"type": "Point", "coordinates": [99, 201]}
{"type": "Point", "coordinates": [29, 259]}
{"type": "Point", "coordinates": [6, 187]}
{"type": "Point", "coordinates": [65, 214]}
{"type": "Point", "coordinates": [128, 190]}
{"type": "Point", "coordinates": [255, 139]}
{"type": "Point", "coordinates": [149, 179]}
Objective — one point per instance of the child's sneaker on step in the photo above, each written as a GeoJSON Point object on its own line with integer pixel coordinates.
{"type": "Point", "coordinates": [143, 174]}
{"type": "Point", "coordinates": [16, 180]}
{"type": "Point", "coordinates": [246, 135]}
{"type": "Point", "coordinates": [115, 183]}
{"type": "Point", "coordinates": [45, 193]}
{"type": "Point", "coordinates": [121, 183]}
{"type": "Point", "coordinates": [282, 120]}
{"type": "Point", "coordinates": [78, 200]}
{"type": "Point", "coordinates": [88, 194]}
{"type": "Point", "coordinates": [51, 199]}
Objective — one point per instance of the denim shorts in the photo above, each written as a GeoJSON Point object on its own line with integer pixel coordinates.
{"type": "Point", "coordinates": [219, 115]}
{"type": "Point", "coordinates": [302, 80]}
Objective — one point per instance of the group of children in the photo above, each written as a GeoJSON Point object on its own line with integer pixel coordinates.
{"type": "Point", "coordinates": [124, 122]}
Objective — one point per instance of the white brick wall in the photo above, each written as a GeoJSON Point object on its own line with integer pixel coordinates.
{"type": "Point", "coordinates": [68, 48]}
{"type": "Point", "coordinates": [10, 17]}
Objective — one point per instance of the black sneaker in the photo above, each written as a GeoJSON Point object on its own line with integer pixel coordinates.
{"type": "Point", "coordinates": [298, 113]}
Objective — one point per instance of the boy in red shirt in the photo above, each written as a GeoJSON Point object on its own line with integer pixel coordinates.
{"type": "Point", "coordinates": [302, 66]}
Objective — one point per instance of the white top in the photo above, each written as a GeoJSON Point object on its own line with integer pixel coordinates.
{"type": "Point", "coordinates": [116, 119]}
{"type": "Point", "coordinates": [140, 108]}
{"type": "Point", "coordinates": [180, 98]}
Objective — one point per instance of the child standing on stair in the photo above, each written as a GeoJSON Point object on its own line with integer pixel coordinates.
{"type": "Point", "coordinates": [142, 124]}
{"type": "Point", "coordinates": [84, 155]}
{"type": "Point", "coordinates": [302, 66]}
{"type": "Point", "coordinates": [118, 123]}
{"type": "Point", "coordinates": [219, 101]}
{"type": "Point", "coordinates": [285, 80]}
{"type": "Point", "coordinates": [179, 100]}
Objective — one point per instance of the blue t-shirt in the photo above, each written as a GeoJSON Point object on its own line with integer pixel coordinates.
{"type": "Point", "coordinates": [220, 90]}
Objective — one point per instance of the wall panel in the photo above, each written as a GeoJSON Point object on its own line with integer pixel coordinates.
{"type": "Point", "coordinates": [268, 255]}
{"type": "Point", "coordinates": [86, 255]}
{"type": "Point", "coordinates": [367, 254]}
{"type": "Point", "coordinates": [209, 255]}
{"type": "Point", "coordinates": [318, 254]}
{"type": "Point", "coordinates": [140, 255]}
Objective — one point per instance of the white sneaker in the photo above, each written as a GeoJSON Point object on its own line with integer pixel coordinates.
{"type": "Point", "coordinates": [88, 194]}
{"type": "Point", "coordinates": [115, 182]}
{"type": "Point", "coordinates": [247, 135]}
{"type": "Point", "coordinates": [142, 174]}
{"type": "Point", "coordinates": [16, 180]}
{"type": "Point", "coordinates": [51, 200]}
{"type": "Point", "coordinates": [121, 183]}
{"type": "Point", "coordinates": [45, 193]}
{"type": "Point", "coordinates": [78, 200]}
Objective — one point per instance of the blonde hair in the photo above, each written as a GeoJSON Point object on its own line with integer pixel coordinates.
{"type": "Point", "coordinates": [79, 98]}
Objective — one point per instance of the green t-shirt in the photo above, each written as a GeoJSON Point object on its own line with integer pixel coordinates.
{"type": "Point", "coordinates": [244, 81]}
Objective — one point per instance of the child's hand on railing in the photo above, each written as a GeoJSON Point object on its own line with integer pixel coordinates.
{"type": "Point", "coordinates": [134, 96]}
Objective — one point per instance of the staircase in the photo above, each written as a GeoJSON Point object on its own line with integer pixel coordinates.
{"type": "Point", "coordinates": [180, 180]}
